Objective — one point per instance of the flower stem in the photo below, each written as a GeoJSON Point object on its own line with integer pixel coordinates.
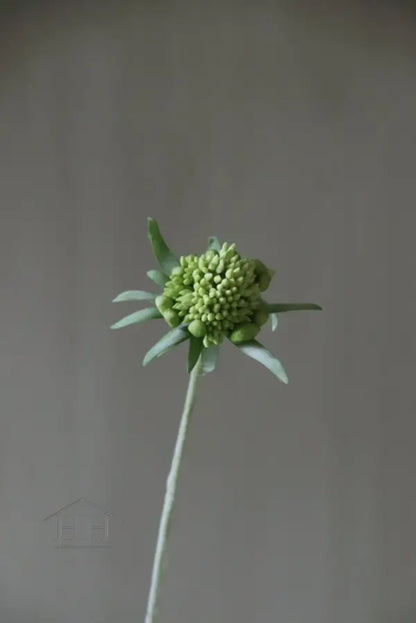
{"type": "Point", "coordinates": [169, 500]}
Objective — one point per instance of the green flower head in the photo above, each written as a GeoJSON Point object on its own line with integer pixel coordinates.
{"type": "Point", "coordinates": [217, 294]}
{"type": "Point", "coordinates": [207, 298]}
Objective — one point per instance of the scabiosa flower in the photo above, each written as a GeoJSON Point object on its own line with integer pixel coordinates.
{"type": "Point", "coordinates": [207, 298]}
{"type": "Point", "coordinates": [204, 299]}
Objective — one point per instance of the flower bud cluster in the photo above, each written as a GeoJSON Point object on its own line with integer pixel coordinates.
{"type": "Point", "coordinates": [217, 294]}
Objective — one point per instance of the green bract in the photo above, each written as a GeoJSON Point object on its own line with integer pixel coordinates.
{"type": "Point", "coordinates": [206, 298]}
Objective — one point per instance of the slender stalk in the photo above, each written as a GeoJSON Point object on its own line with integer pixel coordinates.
{"type": "Point", "coordinates": [169, 500]}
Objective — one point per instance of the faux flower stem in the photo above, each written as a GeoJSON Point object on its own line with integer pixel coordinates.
{"type": "Point", "coordinates": [168, 504]}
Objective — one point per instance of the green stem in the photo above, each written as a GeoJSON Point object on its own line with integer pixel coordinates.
{"type": "Point", "coordinates": [169, 500]}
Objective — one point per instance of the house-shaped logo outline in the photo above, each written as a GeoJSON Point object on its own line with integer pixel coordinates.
{"type": "Point", "coordinates": [94, 521]}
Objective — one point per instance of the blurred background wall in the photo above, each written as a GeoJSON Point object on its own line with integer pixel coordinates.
{"type": "Point", "coordinates": [288, 127]}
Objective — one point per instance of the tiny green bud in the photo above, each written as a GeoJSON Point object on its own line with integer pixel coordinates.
{"type": "Point", "coordinates": [244, 332]}
{"type": "Point", "coordinates": [163, 303]}
{"type": "Point", "coordinates": [261, 317]}
{"type": "Point", "coordinates": [264, 281]}
{"type": "Point", "coordinates": [171, 318]}
{"type": "Point", "coordinates": [264, 275]}
{"type": "Point", "coordinates": [197, 328]}
{"type": "Point", "coordinates": [186, 300]}
{"type": "Point", "coordinates": [258, 266]}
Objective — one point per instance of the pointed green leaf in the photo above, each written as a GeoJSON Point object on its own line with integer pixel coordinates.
{"type": "Point", "coordinates": [285, 307]}
{"type": "Point", "coordinates": [168, 341]}
{"type": "Point", "coordinates": [157, 277]}
{"type": "Point", "coordinates": [257, 351]}
{"type": "Point", "coordinates": [162, 253]}
{"type": "Point", "coordinates": [195, 347]}
{"type": "Point", "coordinates": [275, 321]}
{"type": "Point", "coordinates": [134, 295]}
{"type": "Point", "coordinates": [214, 244]}
{"type": "Point", "coordinates": [139, 316]}
{"type": "Point", "coordinates": [209, 359]}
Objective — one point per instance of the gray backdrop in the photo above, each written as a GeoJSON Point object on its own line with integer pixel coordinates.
{"type": "Point", "coordinates": [288, 127]}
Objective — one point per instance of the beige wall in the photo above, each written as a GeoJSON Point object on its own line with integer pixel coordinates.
{"type": "Point", "coordinates": [289, 128]}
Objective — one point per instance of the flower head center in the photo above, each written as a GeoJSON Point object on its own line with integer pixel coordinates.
{"type": "Point", "coordinates": [215, 294]}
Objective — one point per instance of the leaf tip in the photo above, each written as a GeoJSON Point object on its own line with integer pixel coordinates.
{"type": "Point", "coordinates": [150, 226]}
